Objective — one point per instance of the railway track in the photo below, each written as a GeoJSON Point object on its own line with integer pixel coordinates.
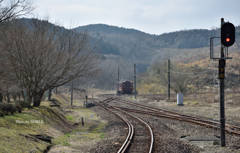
{"type": "Point", "coordinates": [144, 109]}
{"type": "Point", "coordinates": [130, 145]}
{"type": "Point", "coordinates": [165, 95]}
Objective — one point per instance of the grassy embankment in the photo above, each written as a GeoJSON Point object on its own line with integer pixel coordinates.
{"type": "Point", "coordinates": [83, 136]}
{"type": "Point", "coordinates": [17, 131]}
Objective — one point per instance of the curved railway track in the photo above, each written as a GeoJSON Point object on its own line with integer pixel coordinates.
{"type": "Point", "coordinates": [173, 115]}
{"type": "Point", "coordinates": [129, 138]}
{"type": "Point", "coordinates": [139, 130]}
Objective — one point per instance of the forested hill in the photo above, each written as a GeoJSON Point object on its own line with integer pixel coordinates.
{"type": "Point", "coordinates": [142, 48]}
{"type": "Point", "coordinates": [188, 39]}
{"type": "Point", "coordinates": [121, 48]}
{"type": "Point", "coordinates": [103, 28]}
{"type": "Point", "coordinates": [195, 38]}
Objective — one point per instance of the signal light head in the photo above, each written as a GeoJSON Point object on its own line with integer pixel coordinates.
{"type": "Point", "coordinates": [227, 34]}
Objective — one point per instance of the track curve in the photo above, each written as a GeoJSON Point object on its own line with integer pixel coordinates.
{"type": "Point", "coordinates": [130, 135]}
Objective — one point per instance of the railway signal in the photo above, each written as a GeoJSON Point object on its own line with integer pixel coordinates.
{"type": "Point", "coordinates": [227, 34]}
{"type": "Point", "coordinates": [227, 39]}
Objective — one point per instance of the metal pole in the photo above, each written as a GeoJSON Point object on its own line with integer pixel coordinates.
{"type": "Point", "coordinates": [135, 80]}
{"type": "Point", "coordinates": [118, 82]}
{"type": "Point", "coordinates": [72, 93]}
{"type": "Point", "coordinates": [222, 110]}
{"type": "Point", "coordinates": [168, 79]}
{"type": "Point", "coordinates": [86, 101]}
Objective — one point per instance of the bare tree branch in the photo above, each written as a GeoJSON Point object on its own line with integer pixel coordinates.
{"type": "Point", "coordinates": [14, 9]}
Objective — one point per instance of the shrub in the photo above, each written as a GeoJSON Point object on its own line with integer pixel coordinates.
{"type": "Point", "coordinates": [3, 108]}
{"type": "Point", "coordinates": [12, 108]}
{"type": "Point", "coordinates": [1, 112]}
{"type": "Point", "coordinates": [22, 104]}
{"type": "Point", "coordinates": [6, 108]}
{"type": "Point", "coordinates": [19, 108]}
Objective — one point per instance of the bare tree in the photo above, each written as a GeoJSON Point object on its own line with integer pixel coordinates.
{"type": "Point", "coordinates": [41, 56]}
{"type": "Point", "coordinates": [10, 9]}
{"type": "Point", "coordinates": [179, 76]}
{"type": "Point", "coordinates": [180, 82]}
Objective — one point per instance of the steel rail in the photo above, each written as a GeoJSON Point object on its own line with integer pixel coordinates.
{"type": "Point", "coordinates": [129, 137]}
{"type": "Point", "coordinates": [173, 115]}
{"type": "Point", "coordinates": [149, 128]}
{"type": "Point", "coordinates": [232, 127]}
{"type": "Point", "coordinates": [130, 127]}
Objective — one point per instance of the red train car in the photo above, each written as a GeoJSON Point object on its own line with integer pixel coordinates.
{"type": "Point", "coordinates": [125, 87]}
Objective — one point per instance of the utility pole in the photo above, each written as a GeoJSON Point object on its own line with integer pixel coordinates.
{"type": "Point", "coordinates": [222, 64]}
{"type": "Point", "coordinates": [135, 80]}
{"type": "Point", "coordinates": [168, 79]}
{"type": "Point", "coordinates": [118, 83]}
{"type": "Point", "coordinates": [86, 101]}
{"type": "Point", "coordinates": [72, 93]}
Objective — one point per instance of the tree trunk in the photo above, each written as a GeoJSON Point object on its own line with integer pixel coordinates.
{"type": "Point", "coordinates": [19, 95]}
{"type": "Point", "coordinates": [4, 96]}
{"type": "Point", "coordinates": [37, 96]}
{"type": "Point", "coordinates": [29, 98]}
{"type": "Point", "coordinates": [49, 94]}
{"type": "Point", "coordinates": [1, 96]}
{"type": "Point", "coordinates": [14, 97]}
{"type": "Point", "coordinates": [22, 96]}
{"type": "Point", "coordinates": [8, 97]}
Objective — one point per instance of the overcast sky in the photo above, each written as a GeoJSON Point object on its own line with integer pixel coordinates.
{"type": "Point", "coordinates": [150, 16]}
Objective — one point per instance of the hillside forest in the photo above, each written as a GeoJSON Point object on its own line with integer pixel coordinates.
{"type": "Point", "coordinates": [188, 51]}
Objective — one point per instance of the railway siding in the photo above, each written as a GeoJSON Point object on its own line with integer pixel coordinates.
{"type": "Point", "coordinates": [173, 115]}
